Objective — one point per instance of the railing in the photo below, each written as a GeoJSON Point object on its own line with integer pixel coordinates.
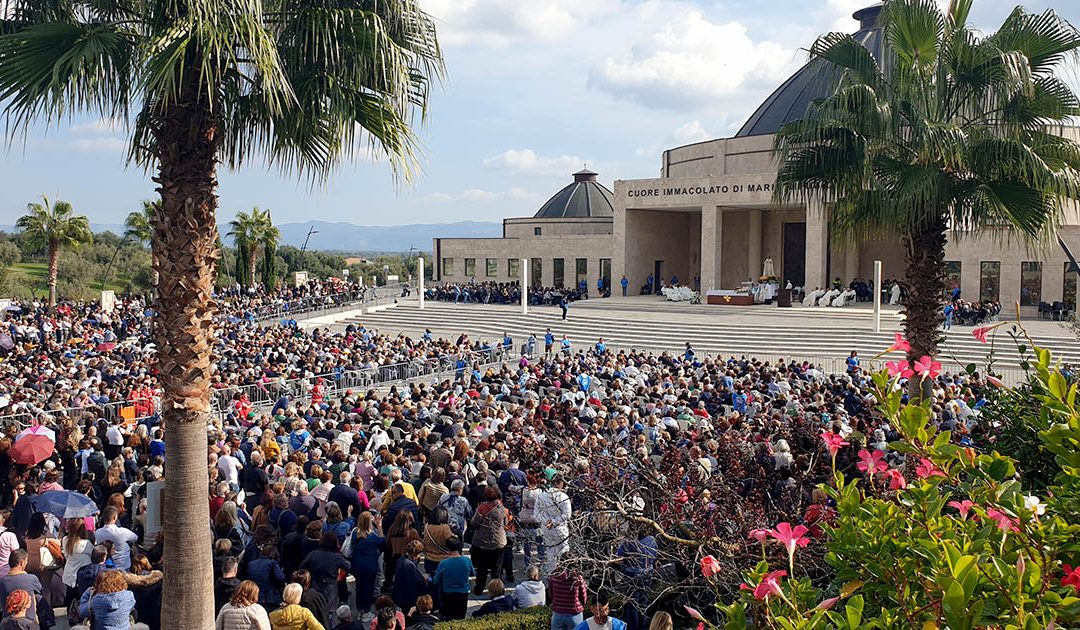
{"type": "Point", "coordinates": [109, 411]}
{"type": "Point", "coordinates": [326, 304]}
{"type": "Point", "coordinates": [262, 395]}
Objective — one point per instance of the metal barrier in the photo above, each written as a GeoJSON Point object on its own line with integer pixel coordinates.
{"type": "Point", "coordinates": [108, 411]}
{"type": "Point", "coordinates": [326, 304]}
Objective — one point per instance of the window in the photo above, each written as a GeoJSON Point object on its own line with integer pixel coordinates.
{"type": "Point", "coordinates": [581, 272]}
{"type": "Point", "coordinates": [537, 231]}
{"type": "Point", "coordinates": [513, 267]}
{"type": "Point", "coordinates": [605, 272]}
{"type": "Point", "coordinates": [952, 276]}
{"type": "Point", "coordinates": [558, 269]}
{"type": "Point", "coordinates": [1030, 283]}
{"type": "Point", "coordinates": [470, 267]}
{"type": "Point", "coordinates": [491, 267]}
{"type": "Point", "coordinates": [536, 272]}
{"type": "Point", "coordinates": [447, 266]}
{"type": "Point", "coordinates": [989, 281]}
{"type": "Point", "coordinates": [1068, 291]}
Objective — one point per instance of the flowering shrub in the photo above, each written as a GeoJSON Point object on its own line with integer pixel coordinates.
{"type": "Point", "coordinates": [948, 540]}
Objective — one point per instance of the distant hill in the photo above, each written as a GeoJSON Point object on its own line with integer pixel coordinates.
{"type": "Point", "coordinates": [349, 237]}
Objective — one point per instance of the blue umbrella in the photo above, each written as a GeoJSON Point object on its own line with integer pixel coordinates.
{"type": "Point", "coordinates": [65, 504]}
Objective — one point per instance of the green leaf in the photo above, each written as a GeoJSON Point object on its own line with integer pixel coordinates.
{"type": "Point", "coordinates": [854, 611]}
{"type": "Point", "coordinates": [1057, 385]}
{"type": "Point", "coordinates": [970, 368]}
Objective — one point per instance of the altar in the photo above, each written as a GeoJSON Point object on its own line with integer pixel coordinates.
{"type": "Point", "coordinates": [725, 297]}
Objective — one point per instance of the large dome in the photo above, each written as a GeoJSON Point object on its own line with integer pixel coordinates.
{"type": "Point", "coordinates": [584, 198]}
{"type": "Point", "coordinates": [815, 80]}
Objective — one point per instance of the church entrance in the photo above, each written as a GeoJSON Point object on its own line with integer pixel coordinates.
{"type": "Point", "coordinates": [794, 255]}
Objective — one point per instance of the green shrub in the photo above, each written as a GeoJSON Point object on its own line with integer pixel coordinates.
{"type": "Point", "coordinates": [535, 618]}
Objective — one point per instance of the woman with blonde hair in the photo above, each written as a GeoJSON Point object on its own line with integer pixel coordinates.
{"type": "Point", "coordinates": [662, 621]}
{"type": "Point", "coordinates": [291, 615]}
{"type": "Point", "coordinates": [77, 548]}
{"type": "Point", "coordinates": [109, 603]}
{"type": "Point", "coordinates": [243, 611]}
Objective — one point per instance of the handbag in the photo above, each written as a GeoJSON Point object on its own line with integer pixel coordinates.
{"type": "Point", "coordinates": [50, 560]}
{"type": "Point", "coordinates": [346, 547]}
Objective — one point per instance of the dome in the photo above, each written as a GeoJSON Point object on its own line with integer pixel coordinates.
{"type": "Point", "coordinates": [817, 79]}
{"type": "Point", "coordinates": [584, 198]}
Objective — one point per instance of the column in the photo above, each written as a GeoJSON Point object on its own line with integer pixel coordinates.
{"type": "Point", "coordinates": [420, 280]}
{"type": "Point", "coordinates": [753, 246]}
{"type": "Point", "coordinates": [851, 263]}
{"type": "Point", "coordinates": [524, 286]}
{"type": "Point", "coordinates": [817, 246]}
{"type": "Point", "coordinates": [711, 229]}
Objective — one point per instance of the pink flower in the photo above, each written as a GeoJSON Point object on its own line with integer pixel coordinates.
{"type": "Point", "coordinates": [770, 585]}
{"type": "Point", "coordinates": [964, 507]}
{"type": "Point", "coordinates": [896, 479]}
{"type": "Point", "coordinates": [1005, 522]}
{"type": "Point", "coordinates": [693, 612]}
{"type": "Point", "coordinates": [833, 441]}
{"type": "Point", "coordinates": [871, 463]}
{"type": "Point", "coordinates": [927, 468]}
{"type": "Point", "coordinates": [980, 333]}
{"type": "Point", "coordinates": [927, 367]}
{"type": "Point", "coordinates": [709, 566]}
{"type": "Point", "coordinates": [995, 381]}
{"type": "Point", "coordinates": [899, 368]}
{"type": "Point", "coordinates": [899, 343]}
{"type": "Point", "coordinates": [827, 604]}
{"type": "Point", "coordinates": [1071, 577]}
{"type": "Point", "coordinates": [791, 536]}
{"type": "Point", "coordinates": [760, 535]}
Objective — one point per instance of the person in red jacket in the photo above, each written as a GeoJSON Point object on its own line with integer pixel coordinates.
{"type": "Point", "coordinates": [568, 597]}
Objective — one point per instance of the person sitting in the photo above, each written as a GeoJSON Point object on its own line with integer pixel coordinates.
{"type": "Point", "coordinates": [827, 298]}
{"type": "Point", "coordinates": [812, 297]}
{"type": "Point", "coordinates": [532, 591]}
{"type": "Point", "coordinates": [500, 601]}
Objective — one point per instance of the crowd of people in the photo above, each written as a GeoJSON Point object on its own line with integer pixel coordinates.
{"type": "Point", "coordinates": [488, 491]}
{"type": "Point", "coordinates": [507, 293]}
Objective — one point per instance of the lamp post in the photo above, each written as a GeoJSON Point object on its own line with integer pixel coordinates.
{"type": "Point", "coordinates": [303, 249]}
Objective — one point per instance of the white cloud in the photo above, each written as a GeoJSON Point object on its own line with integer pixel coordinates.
{"type": "Point", "coordinates": [478, 195]}
{"type": "Point", "coordinates": [691, 61]}
{"type": "Point", "coordinates": [528, 162]}
{"type": "Point", "coordinates": [99, 127]}
{"type": "Point", "coordinates": [688, 133]}
{"type": "Point", "coordinates": [102, 144]}
{"type": "Point", "coordinates": [500, 23]}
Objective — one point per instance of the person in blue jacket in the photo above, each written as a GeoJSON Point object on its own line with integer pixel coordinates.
{"type": "Point", "coordinates": [368, 545]}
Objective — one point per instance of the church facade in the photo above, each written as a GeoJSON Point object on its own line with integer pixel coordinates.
{"type": "Point", "coordinates": [709, 220]}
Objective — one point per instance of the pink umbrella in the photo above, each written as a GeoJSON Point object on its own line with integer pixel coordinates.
{"type": "Point", "coordinates": [31, 450]}
{"type": "Point", "coordinates": [37, 430]}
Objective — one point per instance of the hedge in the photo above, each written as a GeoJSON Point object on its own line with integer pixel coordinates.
{"type": "Point", "coordinates": [534, 618]}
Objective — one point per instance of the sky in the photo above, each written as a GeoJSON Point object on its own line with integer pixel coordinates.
{"type": "Point", "coordinates": [535, 91]}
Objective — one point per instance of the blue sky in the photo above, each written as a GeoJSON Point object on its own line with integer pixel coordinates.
{"type": "Point", "coordinates": [535, 90]}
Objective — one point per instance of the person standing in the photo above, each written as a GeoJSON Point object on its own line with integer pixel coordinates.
{"type": "Point", "coordinates": [367, 545]}
{"type": "Point", "coordinates": [18, 579]}
{"type": "Point", "coordinates": [120, 537]}
{"type": "Point", "coordinates": [564, 305]}
{"type": "Point", "coordinates": [549, 341]}
{"type": "Point", "coordinates": [624, 283]}
{"type": "Point", "coordinates": [243, 611]}
{"type": "Point", "coordinates": [553, 513]}
{"type": "Point", "coordinates": [567, 599]}
{"type": "Point", "coordinates": [489, 539]}
{"type": "Point", "coordinates": [451, 581]}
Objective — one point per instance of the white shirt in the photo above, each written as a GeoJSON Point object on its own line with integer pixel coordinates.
{"type": "Point", "coordinates": [115, 436]}
{"type": "Point", "coordinates": [77, 559]}
{"type": "Point", "coordinates": [121, 538]}
{"type": "Point", "coordinates": [229, 467]}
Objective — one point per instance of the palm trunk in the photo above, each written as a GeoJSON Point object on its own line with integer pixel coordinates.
{"type": "Point", "coordinates": [54, 269]}
{"type": "Point", "coordinates": [185, 256]}
{"type": "Point", "coordinates": [924, 282]}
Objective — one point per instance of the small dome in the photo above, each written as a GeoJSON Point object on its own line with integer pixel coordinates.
{"type": "Point", "coordinates": [585, 197]}
{"type": "Point", "coordinates": [815, 80]}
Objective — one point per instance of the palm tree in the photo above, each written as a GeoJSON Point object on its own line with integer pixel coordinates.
{"type": "Point", "coordinates": [950, 132]}
{"type": "Point", "coordinates": [52, 227]}
{"type": "Point", "coordinates": [138, 227]}
{"type": "Point", "coordinates": [244, 231]}
{"type": "Point", "coordinates": [302, 83]}
{"type": "Point", "coordinates": [269, 236]}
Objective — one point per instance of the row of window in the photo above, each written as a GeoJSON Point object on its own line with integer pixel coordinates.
{"type": "Point", "coordinates": [1030, 282]}
{"type": "Point", "coordinates": [536, 270]}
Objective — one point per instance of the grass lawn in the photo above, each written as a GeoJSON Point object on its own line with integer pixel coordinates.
{"type": "Point", "coordinates": [22, 272]}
